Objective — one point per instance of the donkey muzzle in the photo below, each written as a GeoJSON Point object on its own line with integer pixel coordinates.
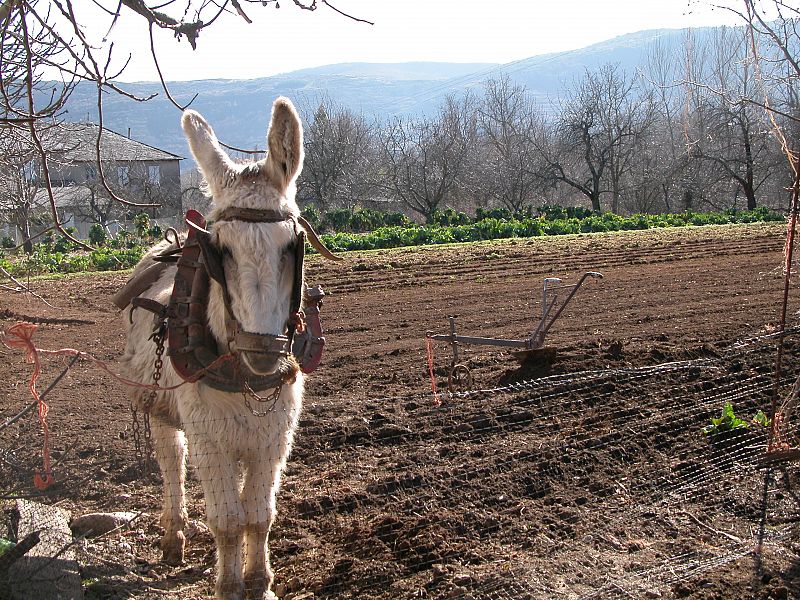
{"type": "Point", "coordinates": [262, 354]}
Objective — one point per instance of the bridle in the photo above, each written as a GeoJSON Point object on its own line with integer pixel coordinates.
{"type": "Point", "coordinates": [239, 340]}
{"type": "Point", "coordinates": [192, 348]}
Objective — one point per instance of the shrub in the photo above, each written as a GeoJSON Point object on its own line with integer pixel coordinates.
{"type": "Point", "coordinates": [365, 219]}
{"type": "Point", "coordinates": [311, 214]}
{"type": "Point", "coordinates": [395, 219]}
{"type": "Point", "coordinates": [449, 216]}
{"type": "Point", "coordinates": [109, 259]}
{"type": "Point", "coordinates": [97, 235]}
{"type": "Point", "coordinates": [337, 220]}
{"type": "Point", "coordinates": [141, 224]}
{"type": "Point", "coordinates": [75, 263]}
{"type": "Point", "coordinates": [482, 214]}
{"type": "Point", "coordinates": [63, 244]}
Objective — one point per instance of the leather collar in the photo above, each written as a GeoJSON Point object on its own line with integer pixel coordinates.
{"type": "Point", "coordinates": [252, 215]}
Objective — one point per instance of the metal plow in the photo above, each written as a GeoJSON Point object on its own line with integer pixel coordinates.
{"type": "Point", "coordinates": [555, 297]}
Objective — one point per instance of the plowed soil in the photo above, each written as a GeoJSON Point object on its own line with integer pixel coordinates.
{"type": "Point", "coordinates": [582, 475]}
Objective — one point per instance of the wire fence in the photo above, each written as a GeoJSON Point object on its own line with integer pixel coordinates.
{"type": "Point", "coordinates": [598, 484]}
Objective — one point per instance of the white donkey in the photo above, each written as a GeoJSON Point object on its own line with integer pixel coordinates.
{"type": "Point", "coordinates": [239, 452]}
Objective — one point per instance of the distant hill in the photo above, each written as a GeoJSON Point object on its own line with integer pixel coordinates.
{"type": "Point", "coordinates": [239, 109]}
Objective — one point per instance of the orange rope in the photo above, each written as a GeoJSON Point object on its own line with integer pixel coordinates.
{"type": "Point", "coordinates": [429, 344]}
{"type": "Point", "coordinates": [20, 336]}
{"type": "Point", "coordinates": [22, 332]}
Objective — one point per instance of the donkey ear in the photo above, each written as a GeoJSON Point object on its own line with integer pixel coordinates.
{"type": "Point", "coordinates": [285, 142]}
{"type": "Point", "coordinates": [211, 158]}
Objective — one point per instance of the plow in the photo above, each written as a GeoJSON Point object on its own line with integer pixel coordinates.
{"type": "Point", "coordinates": [556, 295]}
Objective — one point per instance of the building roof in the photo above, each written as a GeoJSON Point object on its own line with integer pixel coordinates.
{"type": "Point", "coordinates": [76, 142]}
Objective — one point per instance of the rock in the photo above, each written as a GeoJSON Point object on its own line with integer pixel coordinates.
{"type": "Point", "coordinates": [48, 571]}
{"type": "Point", "coordinates": [94, 524]}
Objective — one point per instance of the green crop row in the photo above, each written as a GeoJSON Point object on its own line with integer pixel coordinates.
{"type": "Point", "coordinates": [43, 262]}
{"type": "Point", "coordinates": [490, 228]}
{"type": "Point", "coordinates": [57, 255]}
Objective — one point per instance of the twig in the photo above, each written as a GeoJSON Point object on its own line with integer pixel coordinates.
{"type": "Point", "coordinates": [33, 404]}
{"type": "Point", "coordinates": [164, 85]}
{"type": "Point", "coordinates": [23, 287]}
{"type": "Point", "coordinates": [344, 14]}
{"type": "Point", "coordinates": [37, 141]}
{"type": "Point", "coordinates": [33, 237]}
{"type": "Point", "coordinates": [712, 530]}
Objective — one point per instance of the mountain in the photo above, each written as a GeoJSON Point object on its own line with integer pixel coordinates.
{"type": "Point", "coordinates": [239, 109]}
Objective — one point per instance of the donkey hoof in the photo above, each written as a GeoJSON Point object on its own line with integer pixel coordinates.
{"type": "Point", "coordinates": [230, 590]}
{"type": "Point", "coordinates": [172, 548]}
{"type": "Point", "coordinates": [257, 585]}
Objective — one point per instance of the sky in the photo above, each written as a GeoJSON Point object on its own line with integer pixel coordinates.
{"type": "Point", "coordinates": [280, 40]}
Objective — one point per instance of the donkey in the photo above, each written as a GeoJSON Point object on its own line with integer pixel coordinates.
{"type": "Point", "coordinates": [239, 452]}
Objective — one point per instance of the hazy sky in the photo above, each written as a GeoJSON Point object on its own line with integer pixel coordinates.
{"type": "Point", "coordinates": [286, 39]}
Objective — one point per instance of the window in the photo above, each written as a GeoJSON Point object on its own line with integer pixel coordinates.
{"type": "Point", "coordinates": [154, 174]}
{"type": "Point", "coordinates": [124, 175]}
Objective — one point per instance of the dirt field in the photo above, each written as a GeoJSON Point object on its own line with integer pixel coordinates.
{"type": "Point", "coordinates": [581, 478]}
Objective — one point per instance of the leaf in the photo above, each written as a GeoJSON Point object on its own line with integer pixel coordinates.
{"type": "Point", "coordinates": [762, 419]}
{"type": "Point", "coordinates": [5, 545]}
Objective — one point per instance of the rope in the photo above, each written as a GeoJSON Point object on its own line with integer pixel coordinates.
{"type": "Point", "coordinates": [20, 336]}
{"type": "Point", "coordinates": [429, 345]}
{"type": "Point", "coordinates": [779, 416]}
{"type": "Point", "coordinates": [23, 340]}
{"type": "Point", "coordinates": [22, 333]}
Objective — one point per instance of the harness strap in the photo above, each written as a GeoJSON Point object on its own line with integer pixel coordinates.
{"type": "Point", "coordinates": [257, 215]}
{"type": "Point", "coordinates": [138, 285]}
{"type": "Point", "coordinates": [256, 342]}
{"type": "Point", "coordinates": [153, 306]}
{"type": "Point", "coordinates": [251, 215]}
{"type": "Point", "coordinates": [297, 289]}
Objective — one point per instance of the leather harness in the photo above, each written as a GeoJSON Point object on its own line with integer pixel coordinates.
{"type": "Point", "coordinates": [192, 348]}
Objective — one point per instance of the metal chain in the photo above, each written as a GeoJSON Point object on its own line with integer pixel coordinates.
{"type": "Point", "coordinates": [142, 434]}
{"type": "Point", "coordinates": [137, 437]}
{"type": "Point", "coordinates": [158, 338]}
{"type": "Point", "coordinates": [273, 397]}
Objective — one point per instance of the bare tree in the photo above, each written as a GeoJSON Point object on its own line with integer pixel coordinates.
{"type": "Point", "coordinates": [339, 157]}
{"type": "Point", "coordinates": [590, 141]}
{"type": "Point", "coordinates": [425, 159]}
{"type": "Point", "coordinates": [509, 170]}
{"type": "Point", "coordinates": [665, 182]}
{"type": "Point", "coordinates": [18, 183]}
{"type": "Point", "coordinates": [733, 135]}
{"type": "Point", "coordinates": [628, 114]}
{"type": "Point", "coordinates": [774, 40]}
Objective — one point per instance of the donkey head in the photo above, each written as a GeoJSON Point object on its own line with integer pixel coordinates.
{"type": "Point", "coordinates": [265, 184]}
{"type": "Point", "coordinates": [258, 258]}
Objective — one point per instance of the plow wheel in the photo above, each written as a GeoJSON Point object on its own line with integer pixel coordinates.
{"type": "Point", "coordinates": [459, 379]}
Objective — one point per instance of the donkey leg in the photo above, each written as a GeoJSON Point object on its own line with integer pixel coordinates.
{"type": "Point", "coordinates": [258, 500]}
{"type": "Point", "coordinates": [219, 475]}
{"type": "Point", "coordinates": [169, 447]}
